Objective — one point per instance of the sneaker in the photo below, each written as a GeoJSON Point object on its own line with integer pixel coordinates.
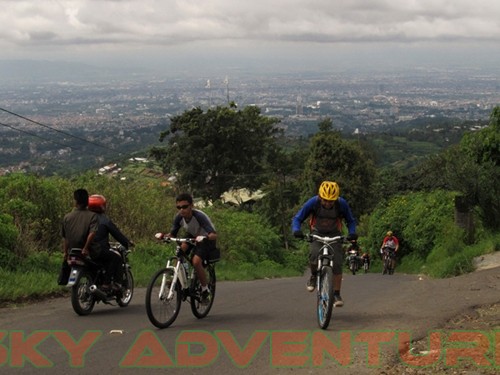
{"type": "Point", "coordinates": [205, 297]}
{"type": "Point", "coordinates": [311, 284]}
{"type": "Point", "coordinates": [337, 301]}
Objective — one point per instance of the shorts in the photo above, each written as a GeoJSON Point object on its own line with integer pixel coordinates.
{"type": "Point", "coordinates": [202, 249]}
{"type": "Point", "coordinates": [338, 256]}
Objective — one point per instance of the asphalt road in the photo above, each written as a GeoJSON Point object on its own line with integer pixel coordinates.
{"type": "Point", "coordinates": [256, 327]}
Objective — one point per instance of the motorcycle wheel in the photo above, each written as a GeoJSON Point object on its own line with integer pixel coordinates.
{"type": "Point", "coordinates": [81, 299]}
{"type": "Point", "coordinates": [127, 290]}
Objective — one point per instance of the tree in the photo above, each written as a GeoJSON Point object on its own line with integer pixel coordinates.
{"type": "Point", "coordinates": [471, 168]}
{"type": "Point", "coordinates": [335, 159]}
{"type": "Point", "coordinates": [211, 152]}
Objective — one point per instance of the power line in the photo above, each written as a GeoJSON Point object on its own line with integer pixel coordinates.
{"type": "Point", "coordinates": [54, 129]}
{"type": "Point", "coordinates": [34, 135]}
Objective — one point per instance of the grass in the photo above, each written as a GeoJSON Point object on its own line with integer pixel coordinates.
{"type": "Point", "coordinates": [36, 276]}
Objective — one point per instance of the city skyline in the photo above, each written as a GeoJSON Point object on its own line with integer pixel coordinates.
{"type": "Point", "coordinates": [192, 36]}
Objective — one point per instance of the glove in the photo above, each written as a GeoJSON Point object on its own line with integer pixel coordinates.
{"type": "Point", "coordinates": [352, 237]}
{"type": "Point", "coordinates": [159, 236]}
{"type": "Point", "coordinates": [298, 234]}
{"type": "Point", "coordinates": [200, 238]}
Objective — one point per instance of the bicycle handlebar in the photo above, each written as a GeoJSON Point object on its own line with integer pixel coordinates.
{"type": "Point", "coordinates": [191, 241]}
{"type": "Point", "coordinates": [310, 237]}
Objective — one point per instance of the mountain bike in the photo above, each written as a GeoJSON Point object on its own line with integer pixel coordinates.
{"type": "Point", "coordinates": [389, 255]}
{"type": "Point", "coordinates": [324, 283]}
{"type": "Point", "coordinates": [178, 282]}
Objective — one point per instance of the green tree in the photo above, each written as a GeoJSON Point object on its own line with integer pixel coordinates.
{"type": "Point", "coordinates": [211, 152]}
{"type": "Point", "coordinates": [333, 158]}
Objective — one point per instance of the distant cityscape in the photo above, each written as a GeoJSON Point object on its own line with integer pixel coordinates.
{"type": "Point", "coordinates": [134, 111]}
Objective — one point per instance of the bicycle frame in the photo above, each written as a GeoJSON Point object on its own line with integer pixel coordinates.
{"type": "Point", "coordinates": [175, 283]}
{"type": "Point", "coordinates": [326, 251]}
{"type": "Point", "coordinates": [180, 272]}
{"type": "Point", "coordinates": [324, 284]}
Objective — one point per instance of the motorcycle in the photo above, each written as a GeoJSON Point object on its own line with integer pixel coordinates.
{"type": "Point", "coordinates": [85, 281]}
{"type": "Point", "coordinates": [353, 260]}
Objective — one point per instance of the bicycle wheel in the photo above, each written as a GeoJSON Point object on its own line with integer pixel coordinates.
{"type": "Point", "coordinates": [200, 310]}
{"type": "Point", "coordinates": [387, 264]}
{"type": "Point", "coordinates": [325, 297]}
{"type": "Point", "coordinates": [162, 311]}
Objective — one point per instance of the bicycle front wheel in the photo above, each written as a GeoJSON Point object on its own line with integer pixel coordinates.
{"type": "Point", "coordinates": [162, 310]}
{"type": "Point", "coordinates": [325, 297]}
{"type": "Point", "coordinates": [201, 310]}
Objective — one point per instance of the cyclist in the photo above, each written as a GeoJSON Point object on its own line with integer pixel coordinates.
{"type": "Point", "coordinates": [390, 246]}
{"type": "Point", "coordinates": [326, 211]}
{"type": "Point", "coordinates": [197, 224]}
{"type": "Point", "coordinates": [108, 257]}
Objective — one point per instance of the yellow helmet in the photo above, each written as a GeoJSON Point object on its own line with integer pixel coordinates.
{"type": "Point", "coordinates": [329, 191]}
{"type": "Point", "coordinates": [389, 234]}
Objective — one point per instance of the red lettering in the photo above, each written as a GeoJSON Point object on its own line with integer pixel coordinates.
{"type": "Point", "coordinates": [374, 339]}
{"type": "Point", "coordinates": [321, 344]}
{"type": "Point", "coordinates": [22, 349]}
{"type": "Point", "coordinates": [76, 349]}
{"type": "Point", "coordinates": [241, 358]}
{"type": "Point", "coordinates": [497, 348]}
{"type": "Point", "coordinates": [203, 340]}
{"type": "Point", "coordinates": [4, 352]}
{"type": "Point", "coordinates": [147, 351]}
{"type": "Point", "coordinates": [422, 359]}
{"type": "Point", "coordinates": [285, 347]}
{"type": "Point", "coordinates": [477, 353]}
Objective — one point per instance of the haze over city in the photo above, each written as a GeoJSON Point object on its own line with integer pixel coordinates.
{"type": "Point", "coordinates": [194, 37]}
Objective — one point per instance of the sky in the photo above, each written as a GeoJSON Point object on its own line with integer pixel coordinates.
{"type": "Point", "coordinates": [272, 34]}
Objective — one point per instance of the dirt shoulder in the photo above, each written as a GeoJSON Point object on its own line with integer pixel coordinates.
{"type": "Point", "coordinates": [482, 321]}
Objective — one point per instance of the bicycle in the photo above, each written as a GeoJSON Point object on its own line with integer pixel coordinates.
{"type": "Point", "coordinates": [178, 282]}
{"type": "Point", "coordinates": [324, 283]}
{"type": "Point", "coordinates": [389, 255]}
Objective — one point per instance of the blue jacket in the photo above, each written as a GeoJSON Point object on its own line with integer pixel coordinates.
{"type": "Point", "coordinates": [309, 210]}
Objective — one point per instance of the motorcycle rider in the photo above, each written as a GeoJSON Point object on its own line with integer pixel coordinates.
{"type": "Point", "coordinates": [110, 259]}
{"type": "Point", "coordinates": [79, 226]}
{"type": "Point", "coordinates": [354, 245]}
{"type": "Point", "coordinates": [390, 244]}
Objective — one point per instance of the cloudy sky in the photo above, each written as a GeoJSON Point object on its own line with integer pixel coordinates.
{"type": "Point", "coordinates": [272, 33]}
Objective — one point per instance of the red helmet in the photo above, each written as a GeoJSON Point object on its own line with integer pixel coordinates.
{"type": "Point", "coordinates": [97, 203]}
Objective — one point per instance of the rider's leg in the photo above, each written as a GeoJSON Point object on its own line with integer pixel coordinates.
{"type": "Point", "coordinates": [106, 258]}
{"type": "Point", "coordinates": [338, 261]}
{"type": "Point", "coordinates": [313, 256]}
{"type": "Point", "coordinates": [200, 271]}
{"type": "Point", "coordinates": [338, 255]}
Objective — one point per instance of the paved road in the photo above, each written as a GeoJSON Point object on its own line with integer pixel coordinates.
{"type": "Point", "coordinates": [268, 326]}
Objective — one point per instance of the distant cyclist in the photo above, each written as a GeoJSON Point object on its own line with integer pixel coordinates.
{"type": "Point", "coordinates": [326, 212]}
{"type": "Point", "coordinates": [390, 246]}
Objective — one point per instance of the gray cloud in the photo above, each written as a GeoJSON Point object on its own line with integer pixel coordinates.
{"type": "Point", "coordinates": [33, 28]}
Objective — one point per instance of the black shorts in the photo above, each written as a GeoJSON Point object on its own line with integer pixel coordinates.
{"type": "Point", "coordinates": [202, 249]}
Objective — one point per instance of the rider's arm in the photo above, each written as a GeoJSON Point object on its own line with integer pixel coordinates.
{"type": "Point", "coordinates": [117, 234]}
{"type": "Point", "coordinates": [206, 224]}
{"type": "Point", "coordinates": [348, 216]}
{"type": "Point", "coordinates": [176, 225]}
{"type": "Point", "coordinates": [303, 213]}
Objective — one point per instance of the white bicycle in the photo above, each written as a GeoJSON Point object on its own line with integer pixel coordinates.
{"type": "Point", "coordinates": [178, 282]}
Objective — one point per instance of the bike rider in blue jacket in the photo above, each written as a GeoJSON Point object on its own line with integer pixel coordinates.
{"type": "Point", "coordinates": [326, 212]}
